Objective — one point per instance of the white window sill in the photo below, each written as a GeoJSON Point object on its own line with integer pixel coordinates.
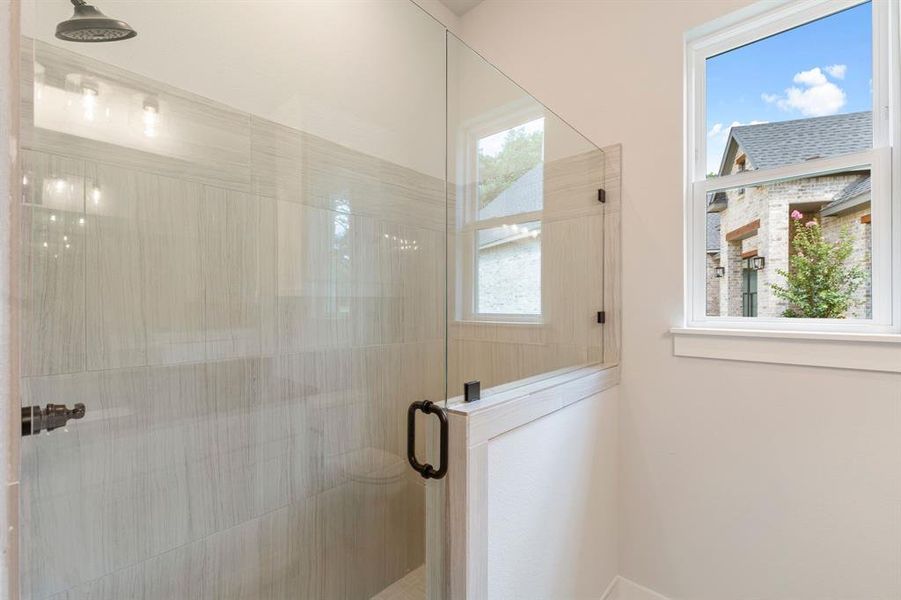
{"type": "Point", "coordinates": [858, 351]}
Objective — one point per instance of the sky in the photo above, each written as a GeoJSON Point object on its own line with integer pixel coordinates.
{"type": "Point", "coordinates": [821, 68]}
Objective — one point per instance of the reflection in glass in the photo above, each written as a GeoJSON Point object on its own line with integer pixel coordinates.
{"type": "Point", "coordinates": [526, 232]}
{"type": "Point", "coordinates": [509, 273]}
{"type": "Point", "coordinates": [509, 170]}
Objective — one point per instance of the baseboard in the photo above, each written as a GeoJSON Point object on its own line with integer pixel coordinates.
{"type": "Point", "coordinates": [626, 589]}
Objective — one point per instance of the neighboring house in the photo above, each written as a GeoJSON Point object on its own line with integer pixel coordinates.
{"type": "Point", "coordinates": [755, 222]}
{"type": "Point", "coordinates": [509, 257]}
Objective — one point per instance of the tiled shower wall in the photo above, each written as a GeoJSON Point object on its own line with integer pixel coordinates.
{"type": "Point", "coordinates": [246, 318]}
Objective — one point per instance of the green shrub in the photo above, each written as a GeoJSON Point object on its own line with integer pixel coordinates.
{"type": "Point", "coordinates": [819, 284]}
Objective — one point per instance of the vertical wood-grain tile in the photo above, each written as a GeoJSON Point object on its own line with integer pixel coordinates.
{"type": "Point", "coordinates": [116, 318]}
{"type": "Point", "coordinates": [268, 275]}
{"type": "Point", "coordinates": [173, 283]}
{"type": "Point", "coordinates": [223, 448]}
{"type": "Point", "coordinates": [52, 269]}
{"type": "Point", "coordinates": [613, 258]}
{"type": "Point", "coordinates": [232, 561]}
{"type": "Point", "coordinates": [275, 438]}
{"type": "Point", "coordinates": [50, 469]}
{"type": "Point", "coordinates": [291, 275]}
{"type": "Point", "coordinates": [230, 263]}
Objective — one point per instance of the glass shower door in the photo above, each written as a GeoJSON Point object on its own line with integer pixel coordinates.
{"type": "Point", "coordinates": [233, 256]}
{"type": "Point", "coordinates": [528, 234]}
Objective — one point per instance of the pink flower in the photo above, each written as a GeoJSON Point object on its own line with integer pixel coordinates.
{"type": "Point", "coordinates": [810, 224]}
{"type": "Point", "coordinates": [796, 215]}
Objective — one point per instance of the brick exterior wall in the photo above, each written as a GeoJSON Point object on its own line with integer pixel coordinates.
{"type": "Point", "coordinates": [510, 278]}
{"type": "Point", "coordinates": [861, 233]}
{"type": "Point", "coordinates": [713, 285]}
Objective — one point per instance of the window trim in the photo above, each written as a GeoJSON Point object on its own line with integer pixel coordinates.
{"type": "Point", "coordinates": [746, 26]}
{"type": "Point", "coordinates": [868, 352]}
{"type": "Point", "coordinates": [508, 117]}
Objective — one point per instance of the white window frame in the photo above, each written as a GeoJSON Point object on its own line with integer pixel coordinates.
{"type": "Point", "coordinates": [744, 27]}
{"type": "Point", "coordinates": [509, 117]}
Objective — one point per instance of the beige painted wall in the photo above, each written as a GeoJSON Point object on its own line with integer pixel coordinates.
{"type": "Point", "coordinates": [738, 480]}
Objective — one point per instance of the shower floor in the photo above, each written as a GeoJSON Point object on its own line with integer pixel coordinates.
{"type": "Point", "coordinates": [409, 587]}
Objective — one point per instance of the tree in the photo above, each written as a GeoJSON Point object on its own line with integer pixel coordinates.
{"type": "Point", "coordinates": [520, 153]}
{"type": "Point", "coordinates": [819, 283]}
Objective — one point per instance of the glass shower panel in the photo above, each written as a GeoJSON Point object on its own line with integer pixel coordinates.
{"type": "Point", "coordinates": [233, 255]}
{"type": "Point", "coordinates": [525, 232]}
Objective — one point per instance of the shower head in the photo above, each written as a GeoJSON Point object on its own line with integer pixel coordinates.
{"type": "Point", "coordinates": [90, 25]}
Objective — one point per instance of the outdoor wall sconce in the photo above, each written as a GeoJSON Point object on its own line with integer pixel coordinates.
{"type": "Point", "coordinates": [719, 271]}
{"type": "Point", "coordinates": [758, 262]}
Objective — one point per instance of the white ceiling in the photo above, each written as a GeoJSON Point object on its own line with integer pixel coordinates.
{"type": "Point", "coordinates": [459, 7]}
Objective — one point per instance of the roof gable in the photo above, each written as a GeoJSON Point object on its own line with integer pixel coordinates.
{"type": "Point", "coordinates": [526, 194]}
{"type": "Point", "coordinates": [770, 145]}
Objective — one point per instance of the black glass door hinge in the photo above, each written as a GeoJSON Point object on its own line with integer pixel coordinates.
{"type": "Point", "coordinates": [472, 391]}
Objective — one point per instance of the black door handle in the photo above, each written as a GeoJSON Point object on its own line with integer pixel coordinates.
{"type": "Point", "coordinates": [430, 408]}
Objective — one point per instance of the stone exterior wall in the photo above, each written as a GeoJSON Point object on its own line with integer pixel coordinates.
{"type": "Point", "coordinates": [772, 205]}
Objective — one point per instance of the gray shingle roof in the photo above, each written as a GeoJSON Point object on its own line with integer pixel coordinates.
{"type": "Point", "coordinates": [854, 195]}
{"type": "Point", "coordinates": [526, 194]}
{"type": "Point", "coordinates": [781, 143]}
{"type": "Point", "coordinates": [861, 186]}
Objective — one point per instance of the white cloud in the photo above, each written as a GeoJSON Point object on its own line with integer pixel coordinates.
{"type": "Point", "coordinates": [715, 130]}
{"type": "Point", "coordinates": [817, 98]}
{"type": "Point", "coordinates": [816, 101]}
{"type": "Point", "coordinates": [810, 78]}
{"type": "Point", "coordinates": [837, 71]}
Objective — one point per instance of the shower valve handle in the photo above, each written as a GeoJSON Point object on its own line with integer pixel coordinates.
{"type": "Point", "coordinates": [53, 416]}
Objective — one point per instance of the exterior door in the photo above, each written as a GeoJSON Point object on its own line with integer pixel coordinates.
{"type": "Point", "coordinates": [748, 289]}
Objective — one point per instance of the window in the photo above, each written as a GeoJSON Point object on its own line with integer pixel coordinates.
{"type": "Point", "coordinates": [509, 269]}
{"type": "Point", "coordinates": [505, 207]}
{"type": "Point", "coordinates": [790, 217]}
